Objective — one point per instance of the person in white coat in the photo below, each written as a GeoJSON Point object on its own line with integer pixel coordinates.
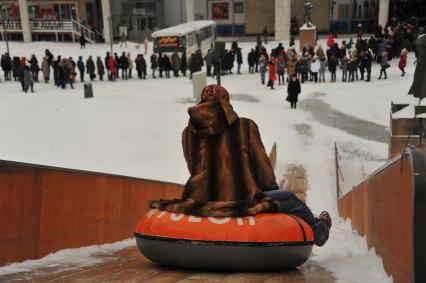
{"type": "Point", "coordinates": [315, 67]}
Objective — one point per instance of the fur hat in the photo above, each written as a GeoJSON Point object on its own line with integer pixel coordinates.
{"type": "Point", "coordinates": [214, 92]}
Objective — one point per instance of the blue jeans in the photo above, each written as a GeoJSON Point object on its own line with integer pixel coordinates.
{"type": "Point", "coordinates": [290, 204]}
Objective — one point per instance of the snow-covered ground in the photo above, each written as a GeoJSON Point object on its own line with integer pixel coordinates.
{"type": "Point", "coordinates": [134, 128]}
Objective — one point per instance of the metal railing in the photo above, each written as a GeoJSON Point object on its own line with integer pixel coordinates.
{"type": "Point", "coordinates": [80, 29]}
{"type": "Point", "coordinates": [337, 159]}
{"type": "Point", "coordinates": [51, 26]}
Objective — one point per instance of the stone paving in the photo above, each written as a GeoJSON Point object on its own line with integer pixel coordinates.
{"type": "Point", "coordinates": [323, 113]}
{"type": "Point", "coordinates": [128, 265]}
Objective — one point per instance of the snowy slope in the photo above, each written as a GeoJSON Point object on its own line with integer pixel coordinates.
{"type": "Point", "coordinates": [133, 128]}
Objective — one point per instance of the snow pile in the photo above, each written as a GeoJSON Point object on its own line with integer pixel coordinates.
{"type": "Point", "coordinates": [349, 258]}
{"type": "Point", "coordinates": [405, 113]}
{"type": "Point", "coordinates": [68, 259]}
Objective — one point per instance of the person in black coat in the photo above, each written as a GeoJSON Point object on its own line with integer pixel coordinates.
{"type": "Point", "coordinates": [6, 65]}
{"type": "Point", "coordinates": [34, 67]}
{"type": "Point", "coordinates": [256, 58]}
{"type": "Point", "coordinates": [239, 60]}
{"type": "Point", "coordinates": [141, 66]}
{"type": "Point", "coordinates": [15, 68]}
{"type": "Point", "coordinates": [367, 59]}
{"type": "Point", "coordinates": [332, 67]}
{"type": "Point", "coordinates": [293, 91]}
{"type": "Point", "coordinates": [82, 41]}
{"type": "Point", "coordinates": [123, 62]}
{"type": "Point", "coordinates": [192, 65]}
{"type": "Point", "coordinates": [167, 65]}
{"type": "Point", "coordinates": [160, 64]}
{"type": "Point", "coordinates": [106, 61]}
{"type": "Point", "coordinates": [81, 67]}
{"type": "Point", "coordinates": [55, 66]}
{"type": "Point", "coordinates": [154, 64]}
{"type": "Point", "coordinates": [183, 64]}
{"type": "Point", "coordinates": [250, 61]}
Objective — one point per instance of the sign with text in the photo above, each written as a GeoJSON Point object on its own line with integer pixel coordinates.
{"type": "Point", "coordinates": [169, 41]}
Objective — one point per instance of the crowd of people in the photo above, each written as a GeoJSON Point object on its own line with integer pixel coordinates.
{"type": "Point", "coordinates": [354, 58]}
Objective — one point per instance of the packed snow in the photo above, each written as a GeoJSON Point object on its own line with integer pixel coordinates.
{"type": "Point", "coordinates": [69, 258]}
{"type": "Point", "coordinates": [134, 128]}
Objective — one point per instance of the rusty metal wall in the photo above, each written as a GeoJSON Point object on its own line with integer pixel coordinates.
{"type": "Point", "coordinates": [44, 209]}
{"type": "Point", "coordinates": [381, 208]}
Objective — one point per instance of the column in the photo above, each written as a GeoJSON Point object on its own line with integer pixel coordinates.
{"type": "Point", "coordinates": [25, 20]}
{"type": "Point", "coordinates": [282, 19]}
{"type": "Point", "coordinates": [106, 18]}
{"type": "Point", "coordinates": [383, 12]}
{"type": "Point", "coordinates": [190, 10]}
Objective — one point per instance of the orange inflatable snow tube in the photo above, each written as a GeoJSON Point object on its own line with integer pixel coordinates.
{"type": "Point", "coordinates": [268, 241]}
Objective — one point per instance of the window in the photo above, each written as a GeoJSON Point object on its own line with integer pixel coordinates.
{"type": "Point", "coordinates": [206, 33]}
{"type": "Point", "coordinates": [239, 8]}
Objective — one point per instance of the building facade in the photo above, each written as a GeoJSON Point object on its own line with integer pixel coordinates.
{"type": "Point", "coordinates": [106, 19]}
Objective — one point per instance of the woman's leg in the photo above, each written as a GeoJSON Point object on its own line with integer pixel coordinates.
{"type": "Point", "coordinates": [290, 204]}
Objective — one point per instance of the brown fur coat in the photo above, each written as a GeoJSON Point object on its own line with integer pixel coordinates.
{"type": "Point", "coordinates": [228, 165]}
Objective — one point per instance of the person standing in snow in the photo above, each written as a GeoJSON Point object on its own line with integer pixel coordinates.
{"type": "Point", "coordinates": [280, 66]}
{"type": "Point", "coordinates": [265, 34]}
{"type": "Point", "coordinates": [183, 64]}
{"type": "Point", "coordinates": [123, 64]}
{"type": "Point", "coordinates": [34, 67]}
{"type": "Point", "coordinates": [332, 66]}
{"type": "Point", "coordinates": [113, 67]}
{"type": "Point", "coordinates": [176, 63]}
{"type": "Point", "coordinates": [45, 69]}
{"type": "Point", "coordinates": [403, 61]}
{"type": "Point", "coordinates": [250, 61]}
{"type": "Point", "coordinates": [91, 68]}
{"type": "Point", "coordinates": [167, 65]}
{"type": "Point", "coordinates": [315, 67]}
{"type": "Point", "coordinates": [82, 40]}
{"type": "Point", "coordinates": [209, 62]}
{"type": "Point", "coordinates": [106, 61]}
{"type": "Point", "coordinates": [100, 67]}
{"type": "Point", "coordinates": [272, 73]}
{"type": "Point", "coordinates": [293, 91]}
{"type": "Point", "coordinates": [384, 63]}
{"type": "Point", "coordinates": [81, 67]}
{"type": "Point", "coordinates": [239, 56]}
{"type": "Point", "coordinates": [262, 68]}
{"type": "Point", "coordinates": [367, 59]}
{"type": "Point", "coordinates": [123, 39]}
{"type": "Point", "coordinates": [154, 64]}
{"type": "Point", "coordinates": [28, 81]}
{"type": "Point", "coordinates": [130, 67]}
{"type": "Point", "coordinates": [141, 66]}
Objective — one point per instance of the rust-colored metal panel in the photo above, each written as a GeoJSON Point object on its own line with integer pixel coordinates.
{"type": "Point", "coordinates": [381, 208]}
{"type": "Point", "coordinates": [47, 209]}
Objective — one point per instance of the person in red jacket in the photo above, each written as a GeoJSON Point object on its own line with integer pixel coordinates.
{"type": "Point", "coordinates": [113, 67]}
{"type": "Point", "coordinates": [272, 72]}
{"type": "Point", "coordinates": [23, 62]}
{"type": "Point", "coordinates": [330, 40]}
{"type": "Point", "coordinates": [403, 61]}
